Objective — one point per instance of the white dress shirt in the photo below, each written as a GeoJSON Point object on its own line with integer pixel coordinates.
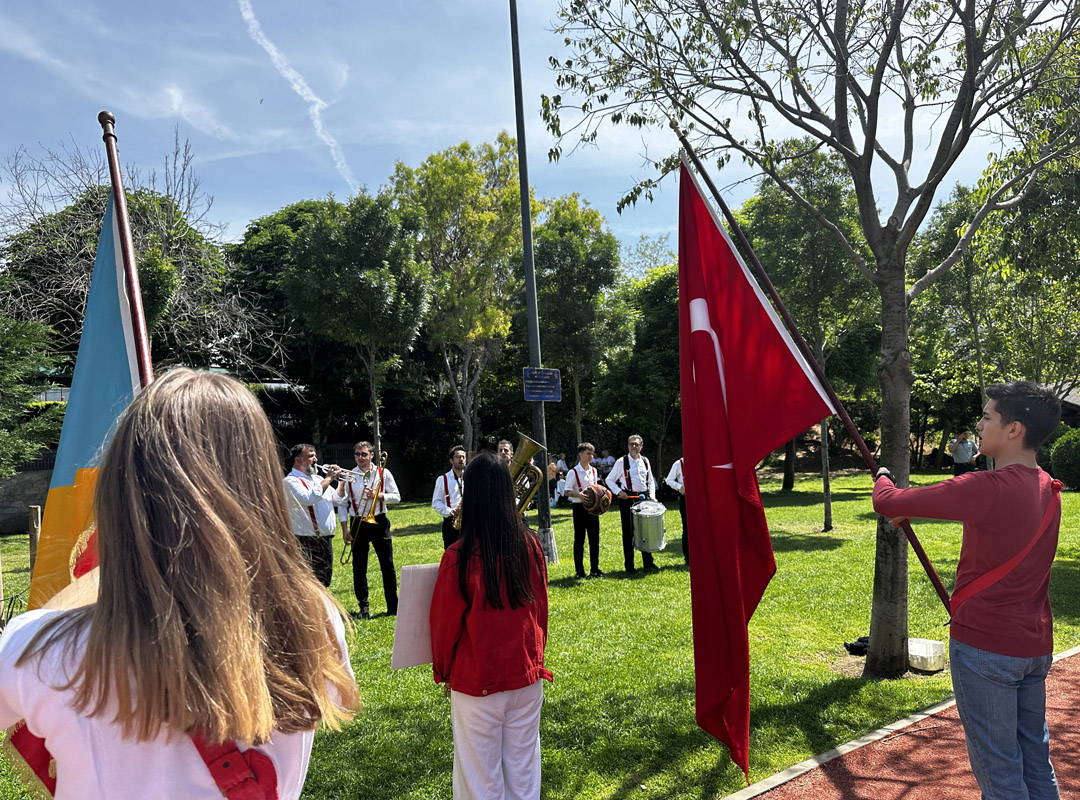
{"type": "Point", "coordinates": [355, 505]}
{"type": "Point", "coordinates": [674, 477]}
{"type": "Point", "coordinates": [574, 481]}
{"type": "Point", "coordinates": [439, 497]}
{"type": "Point", "coordinates": [640, 481]}
{"type": "Point", "coordinates": [305, 497]}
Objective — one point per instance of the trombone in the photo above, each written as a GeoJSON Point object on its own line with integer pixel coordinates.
{"type": "Point", "coordinates": [369, 517]}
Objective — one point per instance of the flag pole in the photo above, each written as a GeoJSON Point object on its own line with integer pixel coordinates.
{"type": "Point", "coordinates": [127, 251]}
{"type": "Point", "coordinates": [808, 355]}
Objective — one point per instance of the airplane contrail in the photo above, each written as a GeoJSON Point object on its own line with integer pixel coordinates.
{"type": "Point", "coordinates": [300, 86]}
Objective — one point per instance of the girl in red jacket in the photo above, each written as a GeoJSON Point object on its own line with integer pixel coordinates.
{"type": "Point", "coordinates": [489, 618]}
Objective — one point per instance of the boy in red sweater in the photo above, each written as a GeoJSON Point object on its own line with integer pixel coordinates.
{"type": "Point", "coordinates": [1001, 639]}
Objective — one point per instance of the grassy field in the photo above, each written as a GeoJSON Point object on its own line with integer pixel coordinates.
{"type": "Point", "coordinates": [618, 721]}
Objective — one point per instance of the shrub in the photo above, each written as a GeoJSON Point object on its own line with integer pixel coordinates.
{"type": "Point", "coordinates": [1043, 457]}
{"type": "Point", "coordinates": [1065, 458]}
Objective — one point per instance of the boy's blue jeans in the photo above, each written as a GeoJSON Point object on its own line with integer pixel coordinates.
{"type": "Point", "coordinates": [1002, 705]}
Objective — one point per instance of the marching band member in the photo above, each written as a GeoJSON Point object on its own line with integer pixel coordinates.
{"type": "Point", "coordinates": [674, 479]}
{"type": "Point", "coordinates": [360, 501]}
{"type": "Point", "coordinates": [446, 499]}
{"type": "Point", "coordinates": [489, 620]}
{"type": "Point", "coordinates": [580, 478]}
{"type": "Point", "coordinates": [210, 643]}
{"type": "Point", "coordinates": [505, 450]}
{"type": "Point", "coordinates": [311, 509]}
{"type": "Point", "coordinates": [631, 476]}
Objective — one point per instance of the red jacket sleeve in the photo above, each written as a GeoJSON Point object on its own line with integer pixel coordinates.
{"type": "Point", "coordinates": [962, 499]}
{"type": "Point", "coordinates": [446, 616]}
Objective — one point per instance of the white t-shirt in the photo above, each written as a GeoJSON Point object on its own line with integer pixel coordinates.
{"type": "Point", "coordinates": [93, 760]}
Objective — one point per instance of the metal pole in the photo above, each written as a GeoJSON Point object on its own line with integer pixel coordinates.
{"type": "Point", "coordinates": [547, 534]}
{"type": "Point", "coordinates": [808, 355]}
{"type": "Point", "coordinates": [35, 533]}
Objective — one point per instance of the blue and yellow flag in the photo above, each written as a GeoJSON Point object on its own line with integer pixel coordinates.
{"type": "Point", "coordinates": [106, 380]}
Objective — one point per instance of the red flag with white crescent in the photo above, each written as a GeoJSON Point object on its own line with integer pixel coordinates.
{"type": "Point", "coordinates": [746, 390]}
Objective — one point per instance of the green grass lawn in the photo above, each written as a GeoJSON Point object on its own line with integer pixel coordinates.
{"type": "Point", "coordinates": [618, 722]}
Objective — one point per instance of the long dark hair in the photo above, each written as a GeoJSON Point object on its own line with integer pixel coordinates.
{"type": "Point", "coordinates": [492, 529]}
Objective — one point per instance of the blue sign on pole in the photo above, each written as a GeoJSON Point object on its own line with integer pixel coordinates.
{"type": "Point", "coordinates": [542, 385]}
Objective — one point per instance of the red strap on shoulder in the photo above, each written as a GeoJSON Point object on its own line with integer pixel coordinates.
{"type": "Point", "coordinates": [1053, 507]}
{"type": "Point", "coordinates": [240, 776]}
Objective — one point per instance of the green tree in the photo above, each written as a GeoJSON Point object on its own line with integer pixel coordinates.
{"type": "Point", "coordinates": [24, 358]}
{"type": "Point", "coordinates": [639, 386]}
{"type": "Point", "coordinates": [828, 300]}
{"type": "Point", "coordinates": [577, 264]}
{"type": "Point", "coordinates": [353, 273]}
{"type": "Point", "coordinates": [896, 93]}
{"type": "Point", "coordinates": [50, 224]}
{"type": "Point", "coordinates": [466, 204]}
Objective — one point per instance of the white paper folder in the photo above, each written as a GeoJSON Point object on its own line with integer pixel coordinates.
{"type": "Point", "coordinates": [412, 631]}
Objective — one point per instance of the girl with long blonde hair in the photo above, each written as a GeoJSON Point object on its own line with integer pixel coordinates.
{"type": "Point", "coordinates": [209, 629]}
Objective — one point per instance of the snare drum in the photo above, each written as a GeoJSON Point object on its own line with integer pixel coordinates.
{"type": "Point", "coordinates": [649, 526]}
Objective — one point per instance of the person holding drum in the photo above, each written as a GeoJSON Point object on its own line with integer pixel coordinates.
{"type": "Point", "coordinates": [582, 476]}
{"type": "Point", "coordinates": [632, 480]}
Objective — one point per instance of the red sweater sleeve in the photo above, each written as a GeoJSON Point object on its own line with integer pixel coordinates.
{"type": "Point", "coordinates": [446, 616]}
{"type": "Point", "coordinates": [961, 499]}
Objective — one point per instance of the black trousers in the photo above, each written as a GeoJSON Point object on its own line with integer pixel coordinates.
{"type": "Point", "coordinates": [586, 523]}
{"type": "Point", "coordinates": [319, 553]}
{"type": "Point", "coordinates": [627, 520]}
{"type": "Point", "coordinates": [961, 469]}
{"type": "Point", "coordinates": [450, 534]}
{"type": "Point", "coordinates": [378, 536]}
{"type": "Point", "coordinates": [685, 538]}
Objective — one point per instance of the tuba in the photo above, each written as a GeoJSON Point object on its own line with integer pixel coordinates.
{"type": "Point", "coordinates": [526, 476]}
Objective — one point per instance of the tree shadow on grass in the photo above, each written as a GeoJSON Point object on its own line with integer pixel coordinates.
{"type": "Point", "coordinates": [417, 530]}
{"type": "Point", "coordinates": [784, 542]}
{"type": "Point", "coordinates": [778, 499]}
{"type": "Point", "coordinates": [629, 741]}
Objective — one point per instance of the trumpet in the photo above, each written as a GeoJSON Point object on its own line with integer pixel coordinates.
{"type": "Point", "coordinates": [347, 475]}
{"type": "Point", "coordinates": [369, 517]}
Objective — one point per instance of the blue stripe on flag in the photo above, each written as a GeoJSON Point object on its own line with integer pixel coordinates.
{"type": "Point", "coordinates": [106, 370]}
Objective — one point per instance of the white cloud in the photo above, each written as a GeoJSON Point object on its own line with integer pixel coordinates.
{"type": "Point", "coordinates": [300, 86]}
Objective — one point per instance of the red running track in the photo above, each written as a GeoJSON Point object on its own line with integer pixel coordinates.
{"type": "Point", "coordinates": [928, 759]}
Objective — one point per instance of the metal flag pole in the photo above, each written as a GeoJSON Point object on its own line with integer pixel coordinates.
{"type": "Point", "coordinates": [808, 355]}
{"type": "Point", "coordinates": [127, 250]}
{"type": "Point", "coordinates": [547, 534]}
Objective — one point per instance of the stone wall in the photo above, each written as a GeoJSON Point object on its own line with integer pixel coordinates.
{"type": "Point", "coordinates": [19, 492]}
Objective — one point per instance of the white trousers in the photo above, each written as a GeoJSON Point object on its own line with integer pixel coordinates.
{"type": "Point", "coordinates": [497, 744]}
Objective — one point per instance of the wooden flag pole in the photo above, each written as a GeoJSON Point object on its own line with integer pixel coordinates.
{"type": "Point", "coordinates": [808, 355]}
{"type": "Point", "coordinates": [127, 250]}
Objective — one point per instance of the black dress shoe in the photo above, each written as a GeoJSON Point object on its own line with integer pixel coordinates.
{"type": "Point", "coordinates": [631, 571]}
{"type": "Point", "coordinates": [596, 574]}
{"type": "Point", "coordinates": [365, 613]}
{"type": "Point", "coordinates": [580, 576]}
{"type": "Point", "coordinates": [651, 568]}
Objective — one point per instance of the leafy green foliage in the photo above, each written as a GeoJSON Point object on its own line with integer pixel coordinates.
{"type": "Point", "coordinates": [1065, 458]}
{"type": "Point", "coordinates": [25, 427]}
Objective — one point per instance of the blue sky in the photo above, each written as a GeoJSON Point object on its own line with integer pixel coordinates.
{"type": "Point", "coordinates": [287, 101]}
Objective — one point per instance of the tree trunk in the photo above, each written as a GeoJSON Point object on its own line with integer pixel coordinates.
{"type": "Point", "coordinates": [939, 462]}
{"type": "Point", "coordinates": [789, 467]}
{"type": "Point", "coordinates": [887, 655]}
{"type": "Point", "coordinates": [826, 489]}
{"type": "Point", "coordinates": [577, 405]}
{"type": "Point", "coordinates": [376, 428]}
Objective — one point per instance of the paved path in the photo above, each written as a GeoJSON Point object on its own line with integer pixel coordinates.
{"type": "Point", "coordinates": [925, 757]}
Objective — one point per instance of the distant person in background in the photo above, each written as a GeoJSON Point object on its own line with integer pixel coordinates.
{"type": "Point", "coordinates": [553, 480]}
{"type": "Point", "coordinates": [963, 451]}
{"type": "Point", "coordinates": [674, 479]}
{"type": "Point", "coordinates": [604, 463]}
{"type": "Point", "coordinates": [446, 499]}
{"type": "Point", "coordinates": [489, 619]}
{"type": "Point", "coordinates": [561, 463]}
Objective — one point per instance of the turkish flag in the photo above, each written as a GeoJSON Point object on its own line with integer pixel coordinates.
{"type": "Point", "coordinates": [746, 390]}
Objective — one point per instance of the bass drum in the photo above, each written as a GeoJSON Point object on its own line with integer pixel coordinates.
{"type": "Point", "coordinates": [649, 526]}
